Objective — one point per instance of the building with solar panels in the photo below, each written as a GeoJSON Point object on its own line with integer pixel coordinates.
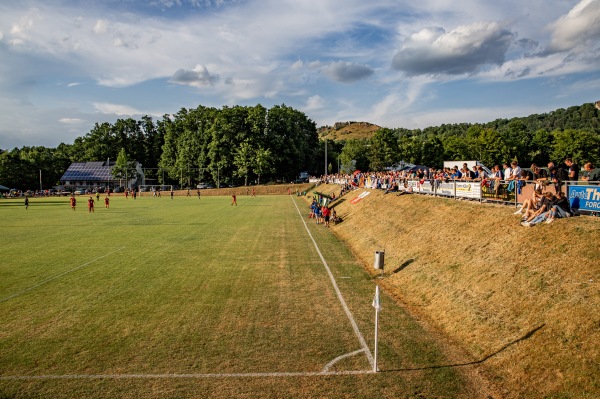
{"type": "Point", "coordinates": [96, 176]}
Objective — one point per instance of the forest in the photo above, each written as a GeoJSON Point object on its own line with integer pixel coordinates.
{"type": "Point", "coordinates": [243, 145]}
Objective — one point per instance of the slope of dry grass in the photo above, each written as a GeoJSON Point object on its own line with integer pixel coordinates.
{"type": "Point", "coordinates": [521, 302]}
{"type": "Point", "coordinates": [356, 130]}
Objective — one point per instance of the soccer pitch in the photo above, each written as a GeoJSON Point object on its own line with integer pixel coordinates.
{"type": "Point", "coordinates": [188, 297]}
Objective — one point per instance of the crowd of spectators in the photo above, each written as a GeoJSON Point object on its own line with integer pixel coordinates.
{"type": "Point", "coordinates": [544, 205]}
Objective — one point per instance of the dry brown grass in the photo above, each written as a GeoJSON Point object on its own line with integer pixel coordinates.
{"type": "Point", "coordinates": [523, 302]}
{"type": "Point", "coordinates": [355, 130]}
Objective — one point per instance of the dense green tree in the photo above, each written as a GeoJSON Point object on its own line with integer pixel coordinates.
{"type": "Point", "coordinates": [166, 165]}
{"type": "Point", "coordinates": [243, 160]}
{"type": "Point", "coordinates": [263, 162]}
{"type": "Point", "coordinates": [432, 152]}
{"type": "Point", "coordinates": [124, 169]}
{"type": "Point", "coordinates": [354, 156]}
{"type": "Point", "coordinates": [580, 145]}
{"type": "Point", "coordinates": [383, 150]}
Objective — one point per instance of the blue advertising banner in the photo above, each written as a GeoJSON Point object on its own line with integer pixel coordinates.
{"type": "Point", "coordinates": [585, 198]}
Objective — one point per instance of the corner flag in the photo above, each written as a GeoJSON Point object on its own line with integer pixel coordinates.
{"type": "Point", "coordinates": [376, 303]}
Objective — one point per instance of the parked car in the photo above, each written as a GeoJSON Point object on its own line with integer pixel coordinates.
{"type": "Point", "coordinates": [79, 191]}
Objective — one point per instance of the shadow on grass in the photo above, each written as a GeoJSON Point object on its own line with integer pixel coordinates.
{"type": "Point", "coordinates": [403, 266]}
{"type": "Point", "coordinates": [502, 349]}
{"type": "Point", "coordinates": [338, 201]}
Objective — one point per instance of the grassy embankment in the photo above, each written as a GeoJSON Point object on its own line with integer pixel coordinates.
{"type": "Point", "coordinates": [521, 303]}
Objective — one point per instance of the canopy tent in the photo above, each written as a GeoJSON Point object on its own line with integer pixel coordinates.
{"type": "Point", "coordinates": [415, 168]}
{"type": "Point", "coordinates": [4, 188]}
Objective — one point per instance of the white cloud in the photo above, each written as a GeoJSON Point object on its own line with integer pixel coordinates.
{"type": "Point", "coordinates": [117, 109]}
{"type": "Point", "coordinates": [71, 121]}
{"type": "Point", "coordinates": [197, 77]}
{"type": "Point", "coordinates": [347, 72]}
{"type": "Point", "coordinates": [459, 51]}
{"type": "Point", "coordinates": [100, 27]}
{"type": "Point", "coordinates": [314, 103]}
{"type": "Point", "coordinates": [579, 28]}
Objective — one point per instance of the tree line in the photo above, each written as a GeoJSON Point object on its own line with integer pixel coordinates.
{"type": "Point", "coordinates": [239, 144]}
{"type": "Point", "coordinates": [232, 145]}
{"type": "Point", "coordinates": [539, 138]}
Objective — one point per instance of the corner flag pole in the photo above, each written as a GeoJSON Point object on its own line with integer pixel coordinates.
{"type": "Point", "coordinates": [377, 306]}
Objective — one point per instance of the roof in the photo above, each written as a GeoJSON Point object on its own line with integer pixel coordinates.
{"type": "Point", "coordinates": [88, 171]}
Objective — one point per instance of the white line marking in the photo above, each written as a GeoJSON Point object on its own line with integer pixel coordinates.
{"type": "Point", "coordinates": [359, 335]}
{"type": "Point", "coordinates": [59, 275]}
{"type": "Point", "coordinates": [337, 359]}
{"type": "Point", "coordinates": [149, 376]}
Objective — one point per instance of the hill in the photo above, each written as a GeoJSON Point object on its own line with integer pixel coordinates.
{"type": "Point", "coordinates": [342, 131]}
{"type": "Point", "coordinates": [519, 303]}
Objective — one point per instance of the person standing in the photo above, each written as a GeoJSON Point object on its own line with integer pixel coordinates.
{"type": "Point", "coordinates": [171, 193]}
{"type": "Point", "coordinates": [198, 193]}
{"type": "Point", "coordinates": [106, 201]}
{"type": "Point", "coordinates": [91, 205]}
{"type": "Point", "coordinates": [326, 213]}
{"type": "Point", "coordinates": [233, 199]}
{"type": "Point", "coordinates": [73, 201]}
{"type": "Point", "coordinates": [26, 202]}
{"type": "Point", "coordinates": [591, 174]}
{"type": "Point", "coordinates": [573, 169]}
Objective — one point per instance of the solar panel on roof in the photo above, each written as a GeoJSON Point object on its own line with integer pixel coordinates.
{"type": "Point", "coordinates": [87, 171]}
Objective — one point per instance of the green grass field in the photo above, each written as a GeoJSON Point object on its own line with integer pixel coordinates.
{"type": "Point", "coordinates": [197, 298]}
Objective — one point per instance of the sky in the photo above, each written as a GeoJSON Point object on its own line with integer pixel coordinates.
{"type": "Point", "coordinates": [66, 65]}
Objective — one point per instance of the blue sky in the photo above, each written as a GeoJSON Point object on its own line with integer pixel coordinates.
{"type": "Point", "coordinates": [66, 65]}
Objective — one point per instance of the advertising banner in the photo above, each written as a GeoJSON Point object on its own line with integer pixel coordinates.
{"type": "Point", "coordinates": [585, 198]}
{"type": "Point", "coordinates": [445, 189]}
{"type": "Point", "coordinates": [468, 189]}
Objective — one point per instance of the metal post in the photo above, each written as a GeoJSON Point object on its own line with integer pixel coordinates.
{"type": "Point", "coordinates": [377, 307]}
{"type": "Point", "coordinates": [325, 160]}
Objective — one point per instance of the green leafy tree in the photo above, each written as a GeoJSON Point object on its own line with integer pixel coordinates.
{"type": "Point", "coordinates": [384, 149]}
{"type": "Point", "coordinates": [168, 157]}
{"type": "Point", "coordinates": [123, 168]}
{"type": "Point", "coordinates": [354, 155]}
{"type": "Point", "coordinates": [581, 145]}
{"type": "Point", "coordinates": [244, 159]}
{"type": "Point", "coordinates": [263, 162]}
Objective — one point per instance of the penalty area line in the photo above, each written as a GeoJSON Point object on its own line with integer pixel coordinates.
{"type": "Point", "coordinates": [33, 287]}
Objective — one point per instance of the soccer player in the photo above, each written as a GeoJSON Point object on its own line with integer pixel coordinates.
{"type": "Point", "coordinates": [91, 205]}
{"type": "Point", "coordinates": [26, 202]}
{"type": "Point", "coordinates": [73, 201]}
{"type": "Point", "coordinates": [106, 200]}
{"type": "Point", "coordinates": [233, 199]}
